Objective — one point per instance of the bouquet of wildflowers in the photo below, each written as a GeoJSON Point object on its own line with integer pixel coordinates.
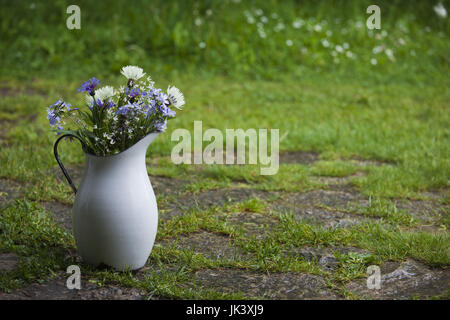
{"type": "Point", "coordinates": [115, 119]}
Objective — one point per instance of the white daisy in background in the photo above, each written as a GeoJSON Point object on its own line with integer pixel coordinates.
{"type": "Point", "coordinates": [132, 72]}
{"type": "Point", "coordinates": [325, 43]}
{"type": "Point", "coordinates": [279, 27]}
{"type": "Point", "coordinates": [175, 97]}
{"type": "Point", "coordinates": [198, 22]}
{"type": "Point", "coordinates": [390, 54]}
{"type": "Point", "coordinates": [440, 10]}
{"type": "Point", "coordinates": [297, 24]}
{"type": "Point", "coordinates": [289, 43]}
{"type": "Point", "coordinates": [373, 61]}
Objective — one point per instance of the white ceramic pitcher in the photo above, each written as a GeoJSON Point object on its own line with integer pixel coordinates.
{"type": "Point", "coordinates": [115, 215]}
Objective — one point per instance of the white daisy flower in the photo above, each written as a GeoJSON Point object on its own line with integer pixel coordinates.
{"type": "Point", "coordinates": [440, 10]}
{"type": "Point", "coordinates": [101, 94]}
{"type": "Point", "coordinates": [104, 93]}
{"type": "Point", "coordinates": [175, 97]}
{"type": "Point", "coordinates": [132, 72]}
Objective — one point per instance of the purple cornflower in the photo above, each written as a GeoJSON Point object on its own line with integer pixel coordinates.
{"type": "Point", "coordinates": [53, 119]}
{"type": "Point", "coordinates": [161, 126]}
{"type": "Point", "coordinates": [55, 110]}
{"type": "Point", "coordinates": [89, 86]}
{"type": "Point", "coordinates": [124, 109]}
{"type": "Point", "coordinates": [150, 110]}
{"type": "Point", "coordinates": [167, 112]}
{"type": "Point", "coordinates": [154, 92]}
{"type": "Point", "coordinates": [105, 105]}
{"type": "Point", "coordinates": [163, 98]}
{"type": "Point", "coordinates": [133, 93]}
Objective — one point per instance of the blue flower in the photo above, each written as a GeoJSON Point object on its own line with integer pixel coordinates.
{"type": "Point", "coordinates": [53, 119]}
{"type": "Point", "coordinates": [161, 126]}
{"type": "Point", "coordinates": [124, 109]}
{"type": "Point", "coordinates": [133, 93]}
{"type": "Point", "coordinates": [167, 112]}
{"type": "Point", "coordinates": [55, 111]}
{"type": "Point", "coordinates": [163, 98]}
{"type": "Point", "coordinates": [106, 105]}
{"type": "Point", "coordinates": [89, 86]}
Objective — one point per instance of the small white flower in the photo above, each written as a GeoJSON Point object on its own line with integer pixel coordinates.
{"type": "Point", "coordinates": [440, 10]}
{"type": "Point", "coordinates": [132, 72]}
{"type": "Point", "coordinates": [198, 22]}
{"type": "Point", "coordinates": [202, 45]}
{"type": "Point", "coordinates": [264, 19]}
{"type": "Point", "coordinates": [289, 43]}
{"type": "Point", "coordinates": [175, 97]}
{"type": "Point", "coordinates": [317, 27]}
{"type": "Point", "coordinates": [373, 61]}
{"type": "Point", "coordinates": [378, 49]}
{"type": "Point", "coordinates": [350, 54]}
{"type": "Point", "coordinates": [390, 54]}
{"type": "Point", "coordinates": [325, 43]}
{"type": "Point", "coordinates": [346, 46]}
{"type": "Point", "coordinates": [339, 49]}
{"type": "Point", "coordinates": [297, 24]}
{"type": "Point", "coordinates": [209, 12]}
{"type": "Point", "coordinates": [279, 27]}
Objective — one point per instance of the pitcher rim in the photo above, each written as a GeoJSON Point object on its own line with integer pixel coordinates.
{"type": "Point", "coordinates": [116, 154]}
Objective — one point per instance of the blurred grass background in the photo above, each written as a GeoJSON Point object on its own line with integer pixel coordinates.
{"type": "Point", "coordinates": [310, 68]}
{"type": "Point", "coordinates": [257, 39]}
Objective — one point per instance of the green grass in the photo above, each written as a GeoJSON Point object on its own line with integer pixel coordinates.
{"type": "Point", "coordinates": [384, 126]}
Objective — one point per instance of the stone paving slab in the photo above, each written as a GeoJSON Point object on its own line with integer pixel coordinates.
{"type": "Point", "coordinates": [8, 262]}
{"type": "Point", "coordinates": [9, 190]}
{"type": "Point", "coordinates": [405, 280]}
{"type": "Point", "coordinates": [210, 245]}
{"type": "Point", "coordinates": [287, 285]}
{"type": "Point", "coordinates": [56, 289]}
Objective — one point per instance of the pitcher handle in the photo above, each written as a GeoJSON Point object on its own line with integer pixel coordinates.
{"type": "Point", "coordinates": [55, 151]}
